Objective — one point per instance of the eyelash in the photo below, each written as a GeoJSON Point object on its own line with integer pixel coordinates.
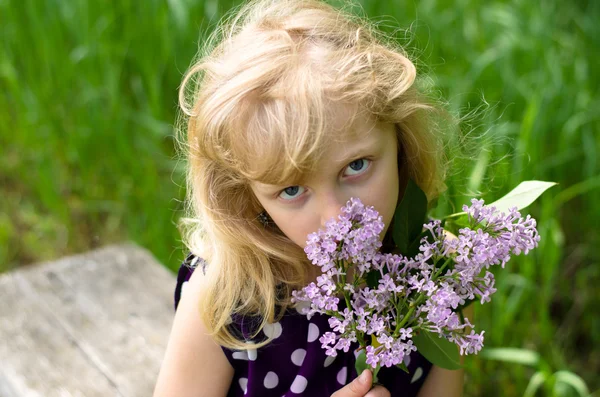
{"type": "Point", "coordinates": [369, 160]}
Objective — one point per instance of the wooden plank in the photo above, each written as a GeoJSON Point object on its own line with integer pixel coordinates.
{"type": "Point", "coordinates": [38, 357]}
{"type": "Point", "coordinates": [92, 324]}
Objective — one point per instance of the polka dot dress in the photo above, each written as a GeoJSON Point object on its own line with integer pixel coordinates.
{"type": "Point", "coordinates": [294, 364]}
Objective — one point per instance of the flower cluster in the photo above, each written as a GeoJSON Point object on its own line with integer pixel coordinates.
{"type": "Point", "coordinates": [387, 298]}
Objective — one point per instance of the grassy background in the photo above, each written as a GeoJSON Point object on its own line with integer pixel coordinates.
{"type": "Point", "coordinates": [88, 99]}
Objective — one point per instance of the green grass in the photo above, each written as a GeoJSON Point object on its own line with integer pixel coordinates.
{"type": "Point", "coordinates": [88, 99]}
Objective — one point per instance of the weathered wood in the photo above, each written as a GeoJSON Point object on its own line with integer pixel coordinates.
{"type": "Point", "coordinates": [89, 325]}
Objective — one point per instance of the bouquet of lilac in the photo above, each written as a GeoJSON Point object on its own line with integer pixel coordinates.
{"type": "Point", "coordinates": [394, 304]}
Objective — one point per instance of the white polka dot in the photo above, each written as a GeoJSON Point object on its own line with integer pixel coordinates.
{"type": "Point", "coordinates": [356, 354]}
{"type": "Point", "coordinates": [417, 375]}
{"type": "Point", "coordinates": [273, 330]}
{"type": "Point", "coordinates": [342, 376]}
{"type": "Point", "coordinates": [313, 332]}
{"type": "Point", "coordinates": [184, 287]}
{"type": "Point", "coordinates": [271, 380]}
{"type": "Point", "coordinates": [328, 361]}
{"type": "Point", "coordinates": [251, 353]}
{"type": "Point", "coordinates": [298, 356]}
{"type": "Point", "coordinates": [299, 384]}
{"type": "Point", "coordinates": [244, 384]}
{"type": "Point", "coordinates": [241, 355]}
{"type": "Point", "coordinates": [300, 306]}
{"type": "Point", "coordinates": [407, 360]}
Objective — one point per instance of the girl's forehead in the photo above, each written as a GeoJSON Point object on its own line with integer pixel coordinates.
{"type": "Point", "coordinates": [287, 142]}
{"type": "Point", "coordinates": [349, 121]}
{"type": "Point", "coordinates": [351, 138]}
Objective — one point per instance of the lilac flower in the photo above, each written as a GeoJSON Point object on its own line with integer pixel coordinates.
{"type": "Point", "coordinates": [405, 333]}
{"type": "Point", "coordinates": [327, 340]}
{"type": "Point", "coordinates": [410, 294]}
{"type": "Point", "coordinates": [372, 357]}
{"type": "Point", "coordinates": [468, 344]}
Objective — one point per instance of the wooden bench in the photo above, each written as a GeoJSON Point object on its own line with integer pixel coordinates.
{"type": "Point", "coordinates": [89, 325]}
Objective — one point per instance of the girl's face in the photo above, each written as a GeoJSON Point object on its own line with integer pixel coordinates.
{"type": "Point", "coordinates": [365, 167]}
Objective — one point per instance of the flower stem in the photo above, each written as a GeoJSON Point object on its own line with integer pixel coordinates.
{"type": "Point", "coordinates": [400, 324]}
{"type": "Point", "coordinates": [446, 263]}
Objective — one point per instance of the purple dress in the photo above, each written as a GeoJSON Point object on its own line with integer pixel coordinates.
{"type": "Point", "coordinates": [294, 364]}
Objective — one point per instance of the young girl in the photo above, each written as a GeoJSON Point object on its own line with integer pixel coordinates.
{"type": "Point", "coordinates": [294, 109]}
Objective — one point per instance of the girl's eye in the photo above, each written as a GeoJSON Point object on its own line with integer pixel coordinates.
{"type": "Point", "coordinates": [358, 166]}
{"type": "Point", "coordinates": [291, 192]}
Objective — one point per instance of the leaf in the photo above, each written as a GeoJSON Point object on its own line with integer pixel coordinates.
{"type": "Point", "coordinates": [403, 367]}
{"type": "Point", "coordinates": [361, 364]}
{"type": "Point", "coordinates": [409, 216]}
{"type": "Point", "coordinates": [413, 247]}
{"type": "Point", "coordinates": [375, 372]}
{"type": "Point", "coordinates": [453, 225]}
{"type": "Point", "coordinates": [569, 378]}
{"type": "Point", "coordinates": [460, 308]}
{"type": "Point", "coordinates": [372, 279]}
{"type": "Point", "coordinates": [512, 355]}
{"type": "Point", "coordinates": [523, 195]}
{"type": "Point", "coordinates": [536, 381]}
{"type": "Point", "coordinates": [437, 350]}
{"type": "Point", "coordinates": [374, 342]}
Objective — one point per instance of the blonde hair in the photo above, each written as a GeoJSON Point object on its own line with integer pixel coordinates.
{"type": "Point", "coordinates": [257, 107]}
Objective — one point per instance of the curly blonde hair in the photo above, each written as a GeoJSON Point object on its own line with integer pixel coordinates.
{"type": "Point", "coordinates": [257, 106]}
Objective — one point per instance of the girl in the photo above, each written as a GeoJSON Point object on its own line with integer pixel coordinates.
{"type": "Point", "coordinates": [294, 109]}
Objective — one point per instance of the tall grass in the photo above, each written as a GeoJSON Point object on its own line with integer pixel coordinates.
{"type": "Point", "coordinates": [536, 67]}
{"type": "Point", "coordinates": [88, 102]}
{"type": "Point", "coordinates": [88, 99]}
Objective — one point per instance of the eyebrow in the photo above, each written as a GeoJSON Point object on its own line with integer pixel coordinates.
{"type": "Point", "coordinates": [356, 153]}
{"type": "Point", "coordinates": [369, 146]}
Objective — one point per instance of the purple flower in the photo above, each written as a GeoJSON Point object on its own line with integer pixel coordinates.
{"type": "Point", "coordinates": [410, 294]}
{"type": "Point", "coordinates": [468, 344]}
{"type": "Point", "coordinates": [405, 333]}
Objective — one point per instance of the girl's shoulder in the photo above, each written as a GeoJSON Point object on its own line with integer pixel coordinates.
{"type": "Point", "coordinates": [243, 327]}
{"type": "Point", "coordinates": [193, 364]}
{"type": "Point", "coordinates": [186, 269]}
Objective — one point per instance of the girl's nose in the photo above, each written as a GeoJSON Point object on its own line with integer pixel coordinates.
{"type": "Point", "coordinates": [331, 207]}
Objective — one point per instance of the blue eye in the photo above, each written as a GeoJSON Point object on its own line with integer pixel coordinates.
{"type": "Point", "coordinates": [358, 166]}
{"type": "Point", "coordinates": [291, 192]}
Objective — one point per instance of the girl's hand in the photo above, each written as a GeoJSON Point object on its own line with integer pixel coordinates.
{"type": "Point", "coordinates": [361, 387]}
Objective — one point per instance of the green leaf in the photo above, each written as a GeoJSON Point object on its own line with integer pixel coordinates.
{"type": "Point", "coordinates": [437, 350]}
{"type": "Point", "coordinates": [413, 247]}
{"type": "Point", "coordinates": [372, 278]}
{"type": "Point", "coordinates": [403, 367]}
{"type": "Point", "coordinates": [453, 225]}
{"type": "Point", "coordinates": [569, 378]}
{"type": "Point", "coordinates": [361, 363]}
{"type": "Point", "coordinates": [523, 195]}
{"type": "Point", "coordinates": [375, 372]}
{"type": "Point", "coordinates": [462, 307]}
{"type": "Point", "coordinates": [537, 380]}
{"type": "Point", "coordinates": [409, 216]}
{"type": "Point", "coordinates": [511, 355]}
